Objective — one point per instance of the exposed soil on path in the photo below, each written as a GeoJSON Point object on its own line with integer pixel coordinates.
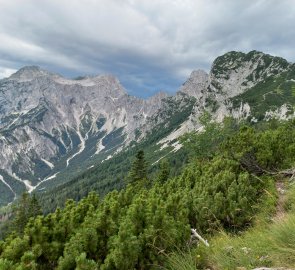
{"type": "Point", "coordinates": [280, 210]}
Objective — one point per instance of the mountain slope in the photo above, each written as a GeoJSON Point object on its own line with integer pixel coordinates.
{"type": "Point", "coordinates": [142, 225]}
{"type": "Point", "coordinates": [53, 129]}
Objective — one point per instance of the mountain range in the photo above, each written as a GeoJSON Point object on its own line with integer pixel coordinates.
{"type": "Point", "coordinates": [53, 129]}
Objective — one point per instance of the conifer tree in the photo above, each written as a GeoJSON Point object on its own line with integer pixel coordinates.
{"type": "Point", "coordinates": [34, 207]}
{"type": "Point", "coordinates": [164, 171]}
{"type": "Point", "coordinates": [139, 168]}
{"type": "Point", "coordinates": [26, 208]}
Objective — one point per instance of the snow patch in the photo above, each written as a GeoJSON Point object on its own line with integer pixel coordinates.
{"type": "Point", "coordinates": [159, 159]}
{"type": "Point", "coordinates": [81, 147]}
{"type": "Point", "coordinates": [6, 184]}
{"type": "Point", "coordinates": [49, 164]}
{"type": "Point", "coordinates": [44, 180]}
{"type": "Point", "coordinates": [48, 178]}
{"type": "Point", "coordinates": [107, 158]}
{"type": "Point", "coordinates": [28, 185]}
{"type": "Point", "coordinates": [176, 146]}
{"type": "Point", "coordinates": [99, 147]}
{"type": "Point", "coordinates": [173, 136]}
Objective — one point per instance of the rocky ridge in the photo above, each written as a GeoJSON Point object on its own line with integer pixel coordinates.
{"type": "Point", "coordinates": [224, 91]}
{"type": "Point", "coordinates": [50, 124]}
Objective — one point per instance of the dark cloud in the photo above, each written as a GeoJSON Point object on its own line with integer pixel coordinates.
{"type": "Point", "coordinates": [149, 45]}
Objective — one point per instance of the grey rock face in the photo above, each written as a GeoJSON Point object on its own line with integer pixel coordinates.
{"type": "Point", "coordinates": [45, 117]}
{"type": "Point", "coordinates": [49, 123]}
{"type": "Point", "coordinates": [196, 84]}
{"type": "Point", "coordinates": [232, 75]}
{"type": "Point", "coordinates": [234, 72]}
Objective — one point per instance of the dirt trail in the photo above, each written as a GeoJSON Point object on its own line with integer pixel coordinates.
{"type": "Point", "coordinates": [280, 210]}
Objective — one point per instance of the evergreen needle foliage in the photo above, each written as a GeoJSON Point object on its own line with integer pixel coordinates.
{"type": "Point", "coordinates": [139, 168]}
{"type": "Point", "coordinates": [134, 228]}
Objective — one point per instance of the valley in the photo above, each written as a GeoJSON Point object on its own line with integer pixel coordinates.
{"type": "Point", "coordinates": [53, 129]}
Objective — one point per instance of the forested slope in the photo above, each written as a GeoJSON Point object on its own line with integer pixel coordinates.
{"type": "Point", "coordinates": [222, 188]}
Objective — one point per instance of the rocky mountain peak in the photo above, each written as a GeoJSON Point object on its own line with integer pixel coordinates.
{"type": "Point", "coordinates": [51, 126]}
{"type": "Point", "coordinates": [104, 85]}
{"type": "Point", "coordinates": [235, 61]}
{"type": "Point", "coordinates": [29, 73]}
{"type": "Point", "coordinates": [110, 83]}
{"type": "Point", "coordinates": [234, 72]}
{"type": "Point", "coordinates": [197, 74]}
{"type": "Point", "coordinates": [196, 84]}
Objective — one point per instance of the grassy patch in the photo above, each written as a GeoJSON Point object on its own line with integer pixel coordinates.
{"type": "Point", "coordinates": [182, 260]}
{"type": "Point", "coordinates": [266, 244]}
{"type": "Point", "coordinates": [290, 198]}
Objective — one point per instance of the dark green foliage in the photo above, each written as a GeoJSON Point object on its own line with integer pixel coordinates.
{"type": "Point", "coordinates": [133, 228]}
{"type": "Point", "coordinates": [212, 104]}
{"type": "Point", "coordinates": [174, 113]}
{"type": "Point", "coordinates": [260, 152]}
{"type": "Point", "coordinates": [110, 174]}
{"type": "Point", "coordinates": [6, 194]}
{"type": "Point", "coordinates": [221, 64]}
{"type": "Point", "coordinates": [114, 138]}
{"type": "Point", "coordinates": [26, 208]}
{"type": "Point", "coordinates": [269, 94]}
{"type": "Point", "coordinates": [139, 168]}
{"type": "Point", "coordinates": [205, 143]}
{"type": "Point", "coordinates": [164, 171]}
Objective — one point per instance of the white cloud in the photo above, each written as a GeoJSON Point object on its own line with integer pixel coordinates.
{"type": "Point", "coordinates": [6, 72]}
{"type": "Point", "coordinates": [157, 42]}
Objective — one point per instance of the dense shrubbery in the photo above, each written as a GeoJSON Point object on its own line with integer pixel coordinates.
{"type": "Point", "coordinates": [133, 228]}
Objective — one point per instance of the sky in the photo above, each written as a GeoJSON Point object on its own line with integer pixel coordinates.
{"type": "Point", "coordinates": [150, 45]}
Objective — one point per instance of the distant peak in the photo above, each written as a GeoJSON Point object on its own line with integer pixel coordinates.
{"type": "Point", "coordinates": [110, 82]}
{"type": "Point", "coordinates": [198, 73]}
{"type": "Point", "coordinates": [195, 84]}
{"type": "Point", "coordinates": [30, 68]}
{"type": "Point", "coordinates": [29, 73]}
{"type": "Point", "coordinates": [234, 60]}
{"type": "Point", "coordinates": [241, 56]}
{"type": "Point", "coordinates": [107, 79]}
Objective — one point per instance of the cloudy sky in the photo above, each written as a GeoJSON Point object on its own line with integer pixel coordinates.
{"type": "Point", "coordinates": [149, 45]}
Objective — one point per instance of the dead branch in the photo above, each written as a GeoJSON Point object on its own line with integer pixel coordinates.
{"type": "Point", "coordinates": [195, 234]}
{"type": "Point", "coordinates": [288, 173]}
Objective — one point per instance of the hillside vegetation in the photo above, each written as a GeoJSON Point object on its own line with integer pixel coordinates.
{"type": "Point", "coordinates": [269, 243]}
{"type": "Point", "coordinates": [227, 186]}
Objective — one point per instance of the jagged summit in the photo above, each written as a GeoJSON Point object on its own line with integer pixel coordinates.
{"type": "Point", "coordinates": [197, 74]}
{"type": "Point", "coordinates": [195, 84]}
{"type": "Point", "coordinates": [233, 61]}
{"type": "Point", "coordinates": [107, 82]}
{"type": "Point", "coordinates": [51, 126]}
{"type": "Point", "coordinates": [28, 73]}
